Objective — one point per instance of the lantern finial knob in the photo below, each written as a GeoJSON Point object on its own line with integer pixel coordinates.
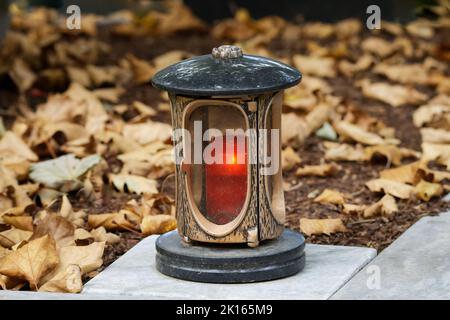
{"type": "Point", "coordinates": [227, 52]}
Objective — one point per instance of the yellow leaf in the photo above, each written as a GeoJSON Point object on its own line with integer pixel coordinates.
{"type": "Point", "coordinates": [343, 152]}
{"type": "Point", "coordinates": [32, 261]}
{"type": "Point", "coordinates": [330, 196]}
{"type": "Point", "coordinates": [394, 95]}
{"type": "Point", "coordinates": [403, 73]}
{"type": "Point", "coordinates": [289, 158]}
{"type": "Point", "coordinates": [357, 134]}
{"type": "Point", "coordinates": [316, 66]}
{"type": "Point", "coordinates": [20, 222]}
{"type": "Point", "coordinates": [349, 208]}
{"type": "Point", "coordinates": [403, 174]}
{"type": "Point", "coordinates": [110, 221]}
{"type": "Point", "coordinates": [392, 153]}
{"type": "Point", "coordinates": [321, 226]}
{"type": "Point", "coordinates": [158, 224]}
{"type": "Point", "coordinates": [394, 188]}
{"type": "Point", "coordinates": [386, 206]}
{"type": "Point", "coordinates": [438, 152]}
{"type": "Point", "coordinates": [426, 190]}
{"type": "Point", "coordinates": [322, 170]}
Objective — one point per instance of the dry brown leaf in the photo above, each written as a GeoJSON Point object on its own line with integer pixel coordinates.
{"type": "Point", "coordinates": [316, 66]}
{"type": "Point", "coordinates": [88, 258]}
{"type": "Point", "coordinates": [67, 212]}
{"type": "Point", "coordinates": [149, 132]}
{"type": "Point", "coordinates": [403, 73]}
{"type": "Point", "coordinates": [58, 227]}
{"type": "Point", "coordinates": [429, 113]}
{"type": "Point", "coordinates": [109, 94]}
{"type": "Point", "coordinates": [131, 183]}
{"type": "Point", "coordinates": [356, 133]}
{"type": "Point", "coordinates": [426, 190]}
{"type": "Point", "coordinates": [110, 221]}
{"type": "Point", "coordinates": [386, 206]}
{"type": "Point", "coordinates": [330, 196]}
{"type": "Point", "coordinates": [19, 222]}
{"type": "Point", "coordinates": [289, 158]}
{"type": "Point", "coordinates": [11, 145]}
{"type": "Point", "coordinates": [22, 75]}
{"type": "Point", "coordinates": [392, 153]}
{"type": "Point", "coordinates": [100, 235]}
{"type": "Point", "coordinates": [349, 208]}
{"type": "Point", "coordinates": [344, 152]}
{"type": "Point", "coordinates": [437, 152]}
{"type": "Point", "coordinates": [404, 174]}
{"type": "Point", "coordinates": [349, 69]}
{"type": "Point", "coordinates": [394, 95]}
{"type": "Point", "coordinates": [394, 188]}
{"type": "Point", "coordinates": [141, 69]}
{"type": "Point", "coordinates": [321, 226]}
{"type": "Point", "coordinates": [11, 237]}
{"type": "Point", "coordinates": [322, 170]}
{"type": "Point", "coordinates": [103, 75]}
{"type": "Point", "coordinates": [420, 28]}
{"type": "Point", "coordinates": [32, 261]}
{"type": "Point", "coordinates": [378, 46]}
{"type": "Point", "coordinates": [158, 224]}
{"type": "Point", "coordinates": [432, 135]}
{"type": "Point", "coordinates": [79, 75]}
{"type": "Point", "coordinates": [68, 281]}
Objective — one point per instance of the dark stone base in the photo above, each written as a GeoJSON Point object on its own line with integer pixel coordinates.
{"type": "Point", "coordinates": [216, 263]}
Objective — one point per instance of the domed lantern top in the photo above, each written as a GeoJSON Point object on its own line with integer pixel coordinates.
{"type": "Point", "coordinates": [226, 72]}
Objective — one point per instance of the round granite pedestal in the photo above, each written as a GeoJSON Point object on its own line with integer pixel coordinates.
{"type": "Point", "coordinates": [272, 259]}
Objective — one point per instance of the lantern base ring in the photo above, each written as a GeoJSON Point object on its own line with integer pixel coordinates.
{"type": "Point", "coordinates": [230, 263]}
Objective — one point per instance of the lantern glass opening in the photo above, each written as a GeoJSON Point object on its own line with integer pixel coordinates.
{"type": "Point", "coordinates": [218, 183]}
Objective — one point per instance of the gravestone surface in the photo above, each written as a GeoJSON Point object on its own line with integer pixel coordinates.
{"type": "Point", "coordinates": [415, 266]}
{"type": "Point", "coordinates": [134, 275]}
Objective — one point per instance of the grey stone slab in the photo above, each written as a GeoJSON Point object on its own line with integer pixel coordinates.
{"type": "Point", "coordinates": [134, 274]}
{"type": "Point", "coordinates": [28, 295]}
{"type": "Point", "coordinates": [415, 266]}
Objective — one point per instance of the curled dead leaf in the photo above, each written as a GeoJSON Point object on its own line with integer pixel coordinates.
{"type": "Point", "coordinates": [321, 226]}
{"type": "Point", "coordinates": [394, 188]}
{"type": "Point", "coordinates": [425, 190]}
{"type": "Point", "coordinates": [157, 224]}
{"type": "Point", "coordinates": [289, 158]}
{"type": "Point", "coordinates": [322, 170]}
{"type": "Point", "coordinates": [330, 196]}
{"type": "Point", "coordinates": [386, 206]}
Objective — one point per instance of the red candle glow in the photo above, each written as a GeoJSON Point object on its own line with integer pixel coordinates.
{"type": "Point", "coordinates": [226, 184]}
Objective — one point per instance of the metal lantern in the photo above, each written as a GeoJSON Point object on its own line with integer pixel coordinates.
{"type": "Point", "coordinates": [227, 105]}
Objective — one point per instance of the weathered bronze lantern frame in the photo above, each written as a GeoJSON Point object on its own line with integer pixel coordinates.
{"type": "Point", "coordinates": [254, 85]}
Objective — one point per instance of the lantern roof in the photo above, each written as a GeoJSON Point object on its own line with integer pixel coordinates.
{"type": "Point", "coordinates": [226, 72]}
